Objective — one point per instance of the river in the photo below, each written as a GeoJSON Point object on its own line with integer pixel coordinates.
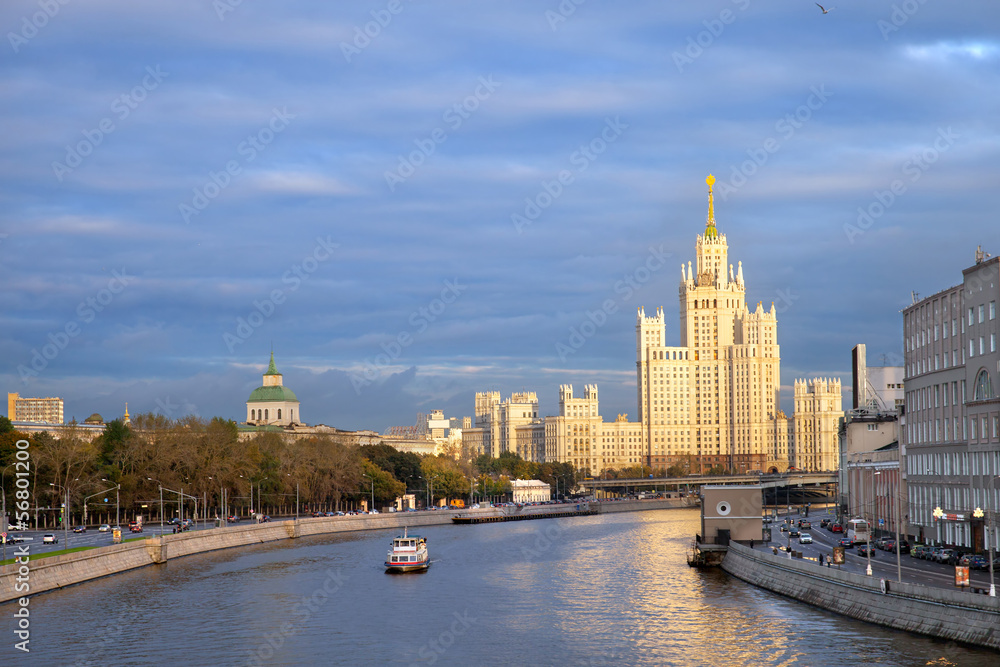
{"type": "Point", "coordinates": [613, 589]}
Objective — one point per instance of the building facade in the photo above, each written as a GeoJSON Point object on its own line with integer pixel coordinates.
{"type": "Point", "coordinates": [951, 438]}
{"type": "Point", "coordinates": [530, 491]}
{"type": "Point", "coordinates": [35, 410]}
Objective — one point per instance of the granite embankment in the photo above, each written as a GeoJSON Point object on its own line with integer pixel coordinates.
{"type": "Point", "coordinates": [938, 612]}
{"type": "Point", "coordinates": [45, 574]}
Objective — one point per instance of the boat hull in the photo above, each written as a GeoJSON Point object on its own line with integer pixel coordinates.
{"type": "Point", "coordinates": [407, 567]}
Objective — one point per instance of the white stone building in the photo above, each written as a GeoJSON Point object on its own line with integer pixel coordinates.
{"type": "Point", "coordinates": [530, 491]}
{"type": "Point", "coordinates": [273, 404]}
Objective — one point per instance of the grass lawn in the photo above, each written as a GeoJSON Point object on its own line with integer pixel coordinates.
{"type": "Point", "coordinates": [58, 553]}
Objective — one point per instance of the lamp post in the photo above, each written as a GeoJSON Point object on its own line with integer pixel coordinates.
{"type": "Point", "coordinates": [117, 502]}
{"type": "Point", "coordinates": [65, 515]}
{"type": "Point", "coordinates": [4, 515]}
{"type": "Point", "coordinates": [161, 501]}
{"type": "Point", "coordinates": [372, 480]}
{"type": "Point", "coordinates": [993, 532]}
{"type": "Point", "coordinates": [91, 496]}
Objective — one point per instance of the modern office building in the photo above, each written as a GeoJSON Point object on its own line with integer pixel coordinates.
{"type": "Point", "coordinates": [35, 410]}
{"type": "Point", "coordinates": [951, 440]}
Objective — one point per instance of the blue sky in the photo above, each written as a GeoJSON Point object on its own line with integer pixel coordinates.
{"type": "Point", "coordinates": [416, 201]}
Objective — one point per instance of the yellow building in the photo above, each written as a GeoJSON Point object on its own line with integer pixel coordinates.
{"type": "Point", "coordinates": [38, 410]}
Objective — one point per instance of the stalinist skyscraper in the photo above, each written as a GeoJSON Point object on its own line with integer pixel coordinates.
{"type": "Point", "coordinates": [710, 402]}
{"type": "Point", "coordinates": [714, 400]}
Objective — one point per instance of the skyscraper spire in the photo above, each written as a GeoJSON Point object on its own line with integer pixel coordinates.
{"type": "Point", "coordinates": [710, 231]}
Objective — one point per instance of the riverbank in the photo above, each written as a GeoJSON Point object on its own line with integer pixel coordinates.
{"type": "Point", "coordinates": [55, 572]}
{"type": "Point", "coordinates": [945, 614]}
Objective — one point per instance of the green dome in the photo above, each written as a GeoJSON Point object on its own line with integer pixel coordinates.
{"type": "Point", "coordinates": [273, 393]}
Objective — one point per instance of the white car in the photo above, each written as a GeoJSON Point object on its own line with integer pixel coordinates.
{"type": "Point", "coordinates": [103, 528]}
{"type": "Point", "coordinates": [49, 538]}
{"type": "Point", "coordinates": [805, 538]}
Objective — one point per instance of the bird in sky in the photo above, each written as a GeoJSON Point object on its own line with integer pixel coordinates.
{"type": "Point", "coordinates": [825, 10]}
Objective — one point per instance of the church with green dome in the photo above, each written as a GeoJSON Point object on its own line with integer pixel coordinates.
{"type": "Point", "coordinates": [272, 403]}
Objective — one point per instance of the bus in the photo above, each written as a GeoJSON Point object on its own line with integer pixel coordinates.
{"type": "Point", "coordinates": [857, 530]}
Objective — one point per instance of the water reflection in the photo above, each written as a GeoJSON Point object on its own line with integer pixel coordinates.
{"type": "Point", "coordinates": [605, 590]}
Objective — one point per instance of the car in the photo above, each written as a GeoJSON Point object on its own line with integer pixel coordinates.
{"type": "Point", "coordinates": [824, 523]}
{"type": "Point", "coordinates": [103, 528]}
{"type": "Point", "coordinates": [846, 542]}
{"type": "Point", "coordinates": [866, 550]}
{"type": "Point", "coordinates": [135, 527]}
{"type": "Point", "coordinates": [805, 538]}
{"type": "Point", "coordinates": [188, 522]}
{"type": "Point", "coordinates": [973, 561]}
{"type": "Point", "coordinates": [233, 519]}
{"type": "Point", "coordinates": [794, 532]}
{"type": "Point", "coordinates": [15, 539]}
{"type": "Point", "coordinates": [932, 554]}
{"type": "Point", "coordinates": [805, 524]}
{"type": "Point", "coordinates": [49, 538]}
{"type": "Point", "coordinates": [944, 555]}
{"type": "Point", "coordinates": [918, 551]}
{"type": "Point", "coordinates": [317, 514]}
{"type": "Point", "coordinates": [80, 529]}
{"type": "Point", "coordinates": [836, 528]}
{"type": "Point", "coordinates": [173, 522]}
{"type": "Point", "coordinates": [784, 527]}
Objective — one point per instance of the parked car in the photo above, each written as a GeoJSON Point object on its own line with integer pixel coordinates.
{"type": "Point", "coordinates": [944, 555]}
{"type": "Point", "coordinates": [80, 529]}
{"type": "Point", "coordinates": [974, 561]}
{"type": "Point", "coordinates": [103, 528]}
{"type": "Point", "coordinates": [932, 554]}
{"type": "Point", "coordinates": [49, 538]}
{"type": "Point", "coordinates": [918, 551]}
{"type": "Point", "coordinates": [824, 523]}
{"type": "Point", "coordinates": [805, 538]}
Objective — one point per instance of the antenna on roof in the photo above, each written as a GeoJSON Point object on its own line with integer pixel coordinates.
{"type": "Point", "coordinates": [914, 296]}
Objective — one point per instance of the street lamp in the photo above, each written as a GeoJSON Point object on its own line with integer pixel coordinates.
{"type": "Point", "coordinates": [3, 517]}
{"type": "Point", "coordinates": [65, 515]}
{"type": "Point", "coordinates": [117, 502]}
{"type": "Point", "coordinates": [372, 479]}
{"type": "Point", "coordinates": [161, 501]}
{"type": "Point", "coordinates": [91, 496]}
{"type": "Point", "coordinates": [992, 531]}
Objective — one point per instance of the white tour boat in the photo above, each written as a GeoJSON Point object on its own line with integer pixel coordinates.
{"type": "Point", "coordinates": [408, 553]}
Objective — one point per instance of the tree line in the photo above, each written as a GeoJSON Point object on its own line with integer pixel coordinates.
{"type": "Point", "coordinates": [207, 459]}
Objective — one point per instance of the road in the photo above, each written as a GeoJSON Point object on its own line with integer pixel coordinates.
{"type": "Point", "coordinates": [914, 570]}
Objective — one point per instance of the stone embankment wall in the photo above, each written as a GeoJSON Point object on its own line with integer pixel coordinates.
{"type": "Point", "coordinates": [54, 572]}
{"type": "Point", "coordinates": [938, 612]}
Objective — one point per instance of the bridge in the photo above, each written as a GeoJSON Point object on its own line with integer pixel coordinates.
{"type": "Point", "coordinates": [769, 481]}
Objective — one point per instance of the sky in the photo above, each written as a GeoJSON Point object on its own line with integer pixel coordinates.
{"type": "Point", "coordinates": [410, 202]}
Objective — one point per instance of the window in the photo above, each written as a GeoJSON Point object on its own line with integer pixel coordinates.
{"type": "Point", "coordinates": [972, 347]}
{"type": "Point", "coordinates": [265, 414]}
{"type": "Point", "coordinates": [984, 388]}
{"type": "Point", "coordinates": [982, 313]}
{"type": "Point", "coordinates": [279, 413]}
{"type": "Point", "coordinates": [971, 315]}
{"type": "Point", "coordinates": [993, 310]}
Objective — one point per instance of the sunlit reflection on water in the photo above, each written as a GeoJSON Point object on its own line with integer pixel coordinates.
{"type": "Point", "coordinates": [606, 590]}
